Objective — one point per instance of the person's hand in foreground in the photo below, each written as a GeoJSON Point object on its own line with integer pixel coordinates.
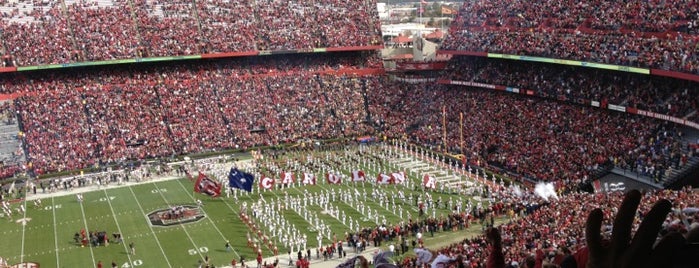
{"type": "Point", "coordinates": [625, 251]}
{"type": "Point", "coordinates": [496, 259]}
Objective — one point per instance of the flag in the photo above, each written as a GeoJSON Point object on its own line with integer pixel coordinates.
{"type": "Point", "coordinates": [207, 186]}
{"type": "Point", "coordinates": [398, 177]}
{"type": "Point", "coordinates": [597, 186]}
{"type": "Point", "coordinates": [384, 179]}
{"type": "Point", "coordinates": [266, 182]}
{"type": "Point", "coordinates": [358, 175]}
{"type": "Point", "coordinates": [287, 177]}
{"type": "Point", "coordinates": [333, 178]}
{"type": "Point", "coordinates": [240, 180]}
{"type": "Point", "coordinates": [429, 182]}
{"type": "Point", "coordinates": [309, 178]}
{"type": "Point", "coordinates": [448, 11]}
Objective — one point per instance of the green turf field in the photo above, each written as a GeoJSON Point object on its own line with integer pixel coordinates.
{"type": "Point", "coordinates": [47, 237]}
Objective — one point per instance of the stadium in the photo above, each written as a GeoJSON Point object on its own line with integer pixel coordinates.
{"type": "Point", "coordinates": [357, 133]}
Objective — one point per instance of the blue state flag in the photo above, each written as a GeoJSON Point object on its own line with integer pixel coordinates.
{"type": "Point", "coordinates": [240, 180]}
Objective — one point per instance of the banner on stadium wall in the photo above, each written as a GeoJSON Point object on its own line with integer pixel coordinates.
{"type": "Point", "coordinates": [414, 80]}
{"type": "Point", "coordinates": [616, 108]}
{"type": "Point", "coordinates": [668, 118]}
{"type": "Point", "coordinates": [421, 65]}
{"type": "Point", "coordinates": [472, 84]}
{"type": "Point", "coordinates": [605, 66]}
{"type": "Point", "coordinates": [512, 89]}
{"type": "Point", "coordinates": [613, 107]}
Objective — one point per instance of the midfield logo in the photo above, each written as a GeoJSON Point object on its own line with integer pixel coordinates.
{"type": "Point", "coordinates": [175, 215]}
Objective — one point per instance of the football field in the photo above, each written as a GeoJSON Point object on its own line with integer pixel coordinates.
{"type": "Point", "coordinates": [46, 234]}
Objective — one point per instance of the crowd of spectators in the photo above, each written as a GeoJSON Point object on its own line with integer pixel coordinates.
{"type": "Point", "coordinates": [555, 231]}
{"type": "Point", "coordinates": [244, 102]}
{"type": "Point", "coordinates": [641, 33]}
{"type": "Point", "coordinates": [75, 120]}
{"type": "Point", "coordinates": [102, 33]}
{"type": "Point", "coordinates": [49, 32]}
{"type": "Point", "coordinates": [40, 35]}
{"type": "Point", "coordinates": [539, 139]}
{"type": "Point", "coordinates": [577, 84]}
{"type": "Point", "coordinates": [227, 25]}
{"type": "Point", "coordinates": [654, 156]}
{"type": "Point", "coordinates": [169, 28]}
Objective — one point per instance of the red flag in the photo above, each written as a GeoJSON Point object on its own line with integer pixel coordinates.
{"type": "Point", "coordinates": [384, 179]}
{"type": "Point", "coordinates": [287, 177]}
{"type": "Point", "coordinates": [398, 177]}
{"type": "Point", "coordinates": [358, 175]}
{"type": "Point", "coordinates": [597, 186]}
{"type": "Point", "coordinates": [266, 182]}
{"type": "Point", "coordinates": [207, 186]}
{"type": "Point", "coordinates": [429, 182]}
{"type": "Point", "coordinates": [309, 178]}
{"type": "Point", "coordinates": [333, 178]}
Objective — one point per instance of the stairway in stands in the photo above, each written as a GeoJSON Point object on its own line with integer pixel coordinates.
{"type": "Point", "coordinates": [677, 174]}
{"type": "Point", "coordinates": [10, 146]}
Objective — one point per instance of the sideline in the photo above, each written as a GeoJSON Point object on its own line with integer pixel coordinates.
{"type": "Point", "coordinates": [94, 187]}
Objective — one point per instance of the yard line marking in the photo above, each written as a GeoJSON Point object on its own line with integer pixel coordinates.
{"type": "Point", "coordinates": [181, 225]}
{"type": "Point", "coordinates": [207, 216]}
{"type": "Point", "coordinates": [24, 227]}
{"type": "Point", "coordinates": [157, 241]}
{"type": "Point", "coordinates": [55, 232]}
{"type": "Point", "coordinates": [92, 253]}
{"type": "Point", "coordinates": [117, 224]}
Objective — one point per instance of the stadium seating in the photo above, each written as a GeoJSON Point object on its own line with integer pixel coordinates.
{"type": "Point", "coordinates": [545, 232]}
{"type": "Point", "coordinates": [254, 101]}
{"type": "Point", "coordinates": [11, 154]}
{"type": "Point", "coordinates": [650, 93]}
{"type": "Point", "coordinates": [544, 140]}
{"type": "Point", "coordinates": [582, 85]}
{"type": "Point", "coordinates": [51, 32]}
{"type": "Point", "coordinates": [663, 36]}
{"type": "Point", "coordinates": [76, 121]}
